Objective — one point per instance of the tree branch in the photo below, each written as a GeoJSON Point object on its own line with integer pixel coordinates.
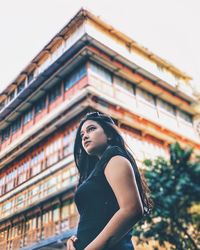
{"type": "Point", "coordinates": [186, 233]}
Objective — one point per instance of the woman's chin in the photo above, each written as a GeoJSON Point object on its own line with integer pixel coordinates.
{"type": "Point", "coordinates": [90, 150]}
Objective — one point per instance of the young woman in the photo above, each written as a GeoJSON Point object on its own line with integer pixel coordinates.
{"type": "Point", "coordinates": [111, 196]}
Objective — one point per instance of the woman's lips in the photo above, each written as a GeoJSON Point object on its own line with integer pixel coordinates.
{"type": "Point", "coordinates": [87, 143]}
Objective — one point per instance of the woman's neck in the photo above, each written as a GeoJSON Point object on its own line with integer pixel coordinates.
{"type": "Point", "coordinates": [101, 155]}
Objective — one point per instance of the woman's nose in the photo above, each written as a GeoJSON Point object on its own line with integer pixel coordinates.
{"type": "Point", "coordinates": [85, 137]}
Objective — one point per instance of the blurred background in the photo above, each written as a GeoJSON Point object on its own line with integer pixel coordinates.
{"type": "Point", "coordinates": [134, 60]}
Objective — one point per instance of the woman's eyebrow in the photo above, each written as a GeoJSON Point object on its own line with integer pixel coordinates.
{"type": "Point", "coordinates": [87, 127]}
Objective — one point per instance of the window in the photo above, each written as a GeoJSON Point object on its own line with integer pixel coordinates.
{"type": "Point", "coordinates": [166, 106]}
{"type": "Point", "coordinates": [145, 96]}
{"type": "Point", "coordinates": [34, 223]}
{"type": "Point", "coordinates": [23, 172]}
{"type": "Point", "coordinates": [28, 116]}
{"type": "Point", "coordinates": [74, 77]}
{"type": "Point", "coordinates": [31, 224]}
{"type": "Point", "coordinates": [54, 92]}
{"type": "Point", "coordinates": [14, 232]}
{"type": "Point", "coordinates": [52, 151]}
{"type": "Point", "coordinates": [6, 134]}
{"type": "Point", "coordinates": [57, 144]}
{"type": "Point", "coordinates": [72, 209]}
{"type": "Point", "coordinates": [12, 95]}
{"type": "Point", "coordinates": [51, 185]}
{"type": "Point", "coordinates": [2, 105]}
{"type": "Point", "coordinates": [185, 116]}
{"type": "Point", "coordinates": [19, 202]}
{"type": "Point", "coordinates": [47, 217]}
{"type": "Point", "coordinates": [2, 184]}
{"type": "Point", "coordinates": [16, 125]}
{"type": "Point", "coordinates": [39, 221]}
{"type": "Point", "coordinates": [56, 214]}
{"type": "Point", "coordinates": [36, 163]}
{"type": "Point", "coordinates": [6, 208]}
{"type": "Point", "coordinates": [35, 194]}
{"type": "Point", "coordinates": [65, 210]}
{"type": "Point", "coordinates": [10, 180]}
{"type": "Point", "coordinates": [135, 145]}
{"type": "Point", "coordinates": [102, 72]}
{"type": "Point", "coordinates": [31, 76]}
{"type": "Point", "coordinates": [20, 87]}
{"type": "Point", "coordinates": [3, 235]}
{"type": "Point", "coordinates": [73, 175]}
{"type": "Point", "coordinates": [68, 142]}
{"type": "Point", "coordinates": [40, 105]}
{"type": "Point", "coordinates": [124, 85]}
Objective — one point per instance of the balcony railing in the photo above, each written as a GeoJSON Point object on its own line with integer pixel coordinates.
{"type": "Point", "coordinates": [36, 235]}
{"type": "Point", "coordinates": [47, 62]}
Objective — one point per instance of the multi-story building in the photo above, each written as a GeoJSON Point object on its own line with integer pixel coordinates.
{"type": "Point", "coordinates": [87, 66]}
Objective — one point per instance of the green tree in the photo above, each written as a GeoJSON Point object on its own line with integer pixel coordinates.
{"type": "Point", "coordinates": [174, 184]}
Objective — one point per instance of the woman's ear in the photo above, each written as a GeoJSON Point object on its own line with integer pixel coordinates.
{"type": "Point", "coordinates": [109, 137]}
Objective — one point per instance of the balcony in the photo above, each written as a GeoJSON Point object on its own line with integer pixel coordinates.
{"type": "Point", "coordinates": [130, 102]}
{"type": "Point", "coordinates": [145, 66]}
{"type": "Point", "coordinates": [46, 67]}
{"type": "Point", "coordinates": [49, 234]}
{"type": "Point", "coordinates": [45, 185]}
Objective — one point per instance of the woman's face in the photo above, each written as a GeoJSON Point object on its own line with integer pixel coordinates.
{"type": "Point", "coordinates": [94, 139]}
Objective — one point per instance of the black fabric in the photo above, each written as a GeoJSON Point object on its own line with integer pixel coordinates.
{"type": "Point", "coordinates": [96, 204]}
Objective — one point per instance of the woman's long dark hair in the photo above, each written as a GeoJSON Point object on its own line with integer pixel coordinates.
{"type": "Point", "coordinates": [85, 163]}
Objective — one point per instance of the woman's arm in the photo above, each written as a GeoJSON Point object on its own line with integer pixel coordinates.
{"type": "Point", "coordinates": [121, 178]}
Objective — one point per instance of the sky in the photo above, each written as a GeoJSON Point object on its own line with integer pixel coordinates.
{"type": "Point", "coordinates": [169, 29]}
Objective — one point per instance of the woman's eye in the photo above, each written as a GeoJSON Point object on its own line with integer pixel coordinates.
{"type": "Point", "coordinates": [91, 128]}
{"type": "Point", "coordinates": [88, 130]}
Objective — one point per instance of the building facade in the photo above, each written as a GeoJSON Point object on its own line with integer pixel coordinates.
{"type": "Point", "coordinates": [87, 66]}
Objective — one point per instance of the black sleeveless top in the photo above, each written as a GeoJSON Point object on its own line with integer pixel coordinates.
{"type": "Point", "coordinates": [96, 204]}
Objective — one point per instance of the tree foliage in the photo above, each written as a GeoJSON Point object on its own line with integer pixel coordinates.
{"type": "Point", "coordinates": [174, 184]}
